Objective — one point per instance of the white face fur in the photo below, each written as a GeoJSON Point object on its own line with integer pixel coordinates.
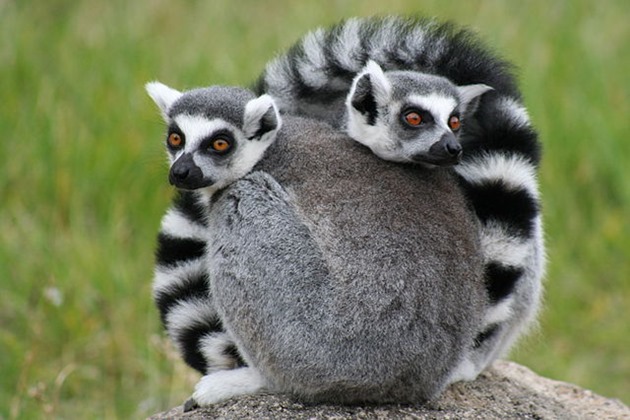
{"type": "Point", "coordinates": [209, 153]}
{"type": "Point", "coordinates": [409, 116]}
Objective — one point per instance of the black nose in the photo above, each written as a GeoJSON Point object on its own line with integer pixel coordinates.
{"type": "Point", "coordinates": [453, 149]}
{"type": "Point", "coordinates": [185, 174]}
{"type": "Point", "coordinates": [180, 173]}
{"type": "Point", "coordinates": [446, 147]}
{"type": "Point", "coordinates": [445, 152]}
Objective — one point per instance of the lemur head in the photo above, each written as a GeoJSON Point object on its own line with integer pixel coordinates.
{"type": "Point", "coordinates": [408, 116]}
{"type": "Point", "coordinates": [215, 135]}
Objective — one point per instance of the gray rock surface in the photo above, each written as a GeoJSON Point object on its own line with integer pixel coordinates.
{"type": "Point", "coordinates": [505, 391]}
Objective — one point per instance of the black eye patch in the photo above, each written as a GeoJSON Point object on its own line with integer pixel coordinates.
{"type": "Point", "coordinates": [174, 132]}
{"type": "Point", "coordinates": [413, 117]}
{"type": "Point", "coordinates": [218, 144]}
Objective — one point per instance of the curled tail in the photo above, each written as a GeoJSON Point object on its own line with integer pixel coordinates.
{"type": "Point", "coordinates": [498, 176]}
{"type": "Point", "coordinates": [317, 72]}
{"type": "Point", "coordinates": [181, 288]}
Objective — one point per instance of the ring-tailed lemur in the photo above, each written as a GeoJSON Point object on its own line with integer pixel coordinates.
{"type": "Point", "coordinates": [349, 288]}
{"type": "Point", "coordinates": [407, 116]}
{"type": "Point", "coordinates": [209, 145]}
{"type": "Point", "coordinates": [501, 151]}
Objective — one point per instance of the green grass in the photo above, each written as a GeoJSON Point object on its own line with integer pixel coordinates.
{"type": "Point", "coordinates": [83, 183]}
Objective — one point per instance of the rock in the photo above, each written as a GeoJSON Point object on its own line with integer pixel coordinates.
{"type": "Point", "coordinates": [505, 391]}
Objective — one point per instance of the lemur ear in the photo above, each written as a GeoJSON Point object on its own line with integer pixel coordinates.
{"type": "Point", "coordinates": [470, 95]}
{"type": "Point", "coordinates": [163, 96]}
{"type": "Point", "coordinates": [370, 89]}
{"type": "Point", "coordinates": [262, 119]}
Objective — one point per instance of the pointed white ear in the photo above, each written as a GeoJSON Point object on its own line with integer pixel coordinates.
{"type": "Point", "coordinates": [163, 96]}
{"type": "Point", "coordinates": [262, 119]}
{"type": "Point", "coordinates": [370, 88]}
{"type": "Point", "coordinates": [470, 96]}
{"type": "Point", "coordinates": [380, 84]}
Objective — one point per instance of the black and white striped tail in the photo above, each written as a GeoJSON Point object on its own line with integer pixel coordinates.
{"type": "Point", "coordinates": [181, 288]}
{"type": "Point", "coordinates": [318, 70]}
{"type": "Point", "coordinates": [498, 176]}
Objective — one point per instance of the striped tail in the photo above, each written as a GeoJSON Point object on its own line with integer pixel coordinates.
{"type": "Point", "coordinates": [498, 176]}
{"type": "Point", "coordinates": [181, 288]}
{"type": "Point", "coordinates": [314, 76]}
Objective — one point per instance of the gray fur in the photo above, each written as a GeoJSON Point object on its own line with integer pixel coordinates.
{"type": "Point", "coordinates": [501, 151]}
{"type": "Point", "coordinates": [202, 102]}
{"type": "Point", "coordinates": [340, 277]}
{"type": "Point", "coordinates": [345, 291]}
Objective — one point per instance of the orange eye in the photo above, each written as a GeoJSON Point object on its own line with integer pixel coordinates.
{"type": "Point", "coordinates": [175, 140]}
{"type": "Point", "coordinates": [220, 145]}
{"type": "Point", "coordinates": [413, 118]}
{"type": "Point", "coordinates": [454, 122]}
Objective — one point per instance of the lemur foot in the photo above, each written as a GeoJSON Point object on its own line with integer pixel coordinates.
{"type": "Point", "coordinates": [190, 405]}
{"type": "Point", "coordinates": [223, 385]}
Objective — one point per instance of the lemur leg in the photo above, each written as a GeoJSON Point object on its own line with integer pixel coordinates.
{"type": "Point", "coordinates": [259, 248]}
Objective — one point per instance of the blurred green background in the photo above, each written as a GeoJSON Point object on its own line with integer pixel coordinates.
{"type": "Point", "coordinates": [83, 181]}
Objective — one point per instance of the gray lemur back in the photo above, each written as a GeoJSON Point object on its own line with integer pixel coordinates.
{"type": "Point", "coordinates": [501, 151]}
{"type": "Point", "coordinates": [343, 277]}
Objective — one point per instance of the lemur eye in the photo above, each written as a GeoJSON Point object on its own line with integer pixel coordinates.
{"type": "Point", "coordinates": [454, 122]}
{"type": "Point", "coordinates": [413, 118]}
{"type": "Point", "coordinates": [220, 145]}
{"type": "Point", "coordinates": [175, 140]}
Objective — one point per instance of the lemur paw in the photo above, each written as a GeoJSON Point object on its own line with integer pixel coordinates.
{"type": "Point", "coordinates": [190, 405]}
{"type": "Point", "coordinates": [225, 384]}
